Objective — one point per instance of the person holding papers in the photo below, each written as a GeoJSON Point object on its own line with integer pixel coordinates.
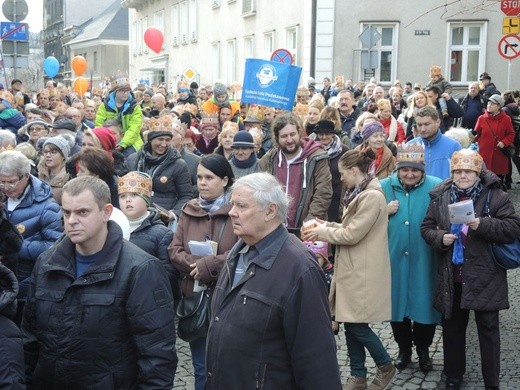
{"type": "Point", "coordinates": [467, 277]}
{"type": "Point", "coordinates": [204, 220]}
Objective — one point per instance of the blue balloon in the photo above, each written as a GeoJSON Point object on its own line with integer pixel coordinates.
{"type": "Point", "coordinates": [51, 66]}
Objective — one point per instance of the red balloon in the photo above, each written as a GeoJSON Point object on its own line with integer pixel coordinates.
{"type": "Point", "coordinates": [154, 39]}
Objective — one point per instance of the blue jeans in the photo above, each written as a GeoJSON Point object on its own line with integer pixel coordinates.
{"type": "Point", "coordinates": [359, 337]}
{"type": "Point", "coordinates": [198, 359]}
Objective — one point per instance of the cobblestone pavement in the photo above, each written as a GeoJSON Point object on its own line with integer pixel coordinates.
{"type": "Point", "coordinates": [412, 378]}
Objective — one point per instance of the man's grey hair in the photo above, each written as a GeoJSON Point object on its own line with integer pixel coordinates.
{"type": "Point", "coordinates": [13, 162]}
{"type": "Point", "coordinates": [7, 138]}
{"type": "Point", "coordinates": [266, 190]}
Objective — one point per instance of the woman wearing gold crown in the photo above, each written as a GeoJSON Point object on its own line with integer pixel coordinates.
{"type": "Point", "coordinates": [412, 260]}
{"type": "Point", "coordinates": [467, 277]}
{"type": "Point", "coordinates": [169, 172]}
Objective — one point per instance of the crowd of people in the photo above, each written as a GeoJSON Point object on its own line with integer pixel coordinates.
{"type": "Point", "coordinates": [335, 213]}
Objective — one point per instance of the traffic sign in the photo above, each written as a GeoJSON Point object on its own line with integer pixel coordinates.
{"type": "Point", "coordinates": [510, 7]}
{"type": "Point", "coordinates": [511, 25]}
{"type": "Point", "coordinates": [282, 55]}
{"type": "Point", "coordinates": [11, 31]}
{"type": "Point", "coordinates": [509, 46]}
{"type": "Point", "coordinates": [15, 10]}
{"type": "Point", "coordinates": [369, 37]}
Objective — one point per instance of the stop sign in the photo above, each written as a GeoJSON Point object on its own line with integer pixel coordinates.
{"type": "Point", "coordinates": [510, 7]}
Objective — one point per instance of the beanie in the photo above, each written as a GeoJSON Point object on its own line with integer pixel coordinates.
{"type": "Point", "coordinates": [61, 143]}
{"type": "Point", "coordinates": [318, 247]}
{"type": "Point", "coordinates": [371, 128]}
{"type": "Point", "coordinates": [219, 89]}
{"type": "Point", "coordinates": [105, 137]}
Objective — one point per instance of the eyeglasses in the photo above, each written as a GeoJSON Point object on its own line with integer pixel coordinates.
{"type": "Point", "coordinates": [51, 152]}
{"type": "Point", "coordinates": [36, 128]}
{"type": "Point", "coordinates": [9, 184]}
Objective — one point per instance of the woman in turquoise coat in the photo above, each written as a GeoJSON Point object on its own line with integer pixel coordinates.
{"type": "Point", "coordinates": [413, 263]}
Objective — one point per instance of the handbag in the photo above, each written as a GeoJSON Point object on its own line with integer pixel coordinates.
{"type": "Point", "coordinates": [193, 313]}
{"type": "Point", "coordinates": [508, 151]}
{"type": "Point", "coordinates": [506, 256]}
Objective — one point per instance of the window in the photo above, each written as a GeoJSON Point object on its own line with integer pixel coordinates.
{"type": "Point", "coordinates": [175, 25]}
{"type": "Point", "coordinates": [215, 60]}
{"type": "Point", "coordinates": [268, 44]}
{"type": "Point", "coordinates": [291, 41]}
{"type": "Point", "coordinates": [158, 20]}
{"type": "Point", "coordinates": [248, 6]}
{"type": "Point", "coordinates": [193, 20]}
{"type": "Point", "coordinates": [467, 51]}
{"type": "Point", "coordinates": [183, 22]}
{"type": "Point", "coordinates": [231, 61]}
{"type": "Point", "coordinates": [249, 48]}
{"type": "Point", "coordinates": [215, 3]}
{"type": "Point", "coordinates": [385, 59]}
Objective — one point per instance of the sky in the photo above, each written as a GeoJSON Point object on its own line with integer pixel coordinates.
{"type": "Point", "coordinates": [35, 16]}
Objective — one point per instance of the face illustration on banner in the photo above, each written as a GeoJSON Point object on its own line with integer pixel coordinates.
{"type": "Point", "coordinates": [266, 76]}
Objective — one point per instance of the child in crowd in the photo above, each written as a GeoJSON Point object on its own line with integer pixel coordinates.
{"type": "Point", "coordinates": [437, 80]}
{"type": "Point", "coordinates": [321, 250]}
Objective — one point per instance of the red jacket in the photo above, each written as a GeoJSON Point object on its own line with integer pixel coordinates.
{"type": "Point", "coordinates": [490, 130]}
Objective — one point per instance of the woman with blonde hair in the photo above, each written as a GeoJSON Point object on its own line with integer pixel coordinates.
{"type": "Point", "coordinates": [394, 130]}
{"type": "Point", "coordinates": [312, 117]}
{"type": "Point", "coordinates": [225, 139]}
{"type": "Point", "coordinates": [420, 100]}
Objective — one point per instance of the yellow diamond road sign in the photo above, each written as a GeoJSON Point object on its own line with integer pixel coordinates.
{"type": "Point", "coordinates": [190, 74]}
{"type": "Point", "coordinates": [511, 25]}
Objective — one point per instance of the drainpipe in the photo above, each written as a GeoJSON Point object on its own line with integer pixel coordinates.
{"type": "Point", "coordinates": [312, 66]}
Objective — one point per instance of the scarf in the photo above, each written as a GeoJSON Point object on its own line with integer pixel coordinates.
{"type": "Point", "coordinates": [246, 163]}
{"type": "Point", "coordinates": [147, 163]}
{"type": "Point", "coordinates": [211, 206]}
{"type": "Point", "coordinates": [351, 193]}
{"type": "Point", "coordinates": [457, 194]}
{"type": "Point", "coordinates": [334, 148]}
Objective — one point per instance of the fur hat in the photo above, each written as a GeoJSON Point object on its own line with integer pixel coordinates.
{"type": "Point", "coordinates": [466, 159]}
{"type": "Point", "coordinates": [318, 247]}
{"type": "Point", "coordinates": [410, 156]}
{"type": "Point", "coordinates": [243, 139]}
{"type": "Point", "coordinates": [61, 143]}
{"type": "Point", "coordinates": [371, 128]}
{"type": "Point", "coordinates": [325, 126]}
{"type": "Point", "coordinates": [136, 182]}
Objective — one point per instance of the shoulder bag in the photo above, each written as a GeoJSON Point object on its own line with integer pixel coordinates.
{"type": "Point", "coordinates": [506, 256]}
{"type": "Point", "coordinates": [508, 151]}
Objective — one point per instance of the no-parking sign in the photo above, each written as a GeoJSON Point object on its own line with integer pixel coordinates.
{"type": "Point", "coordinates": [282, 55]}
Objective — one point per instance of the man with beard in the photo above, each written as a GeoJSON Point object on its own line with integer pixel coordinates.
{"type": "Point", "coordinates": [348, 111]}
{"type": "Point", "coordinates": [302, 167]}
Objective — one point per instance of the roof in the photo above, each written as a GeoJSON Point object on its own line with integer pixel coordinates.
{"type": "Point", "coordinates": [112, 23]}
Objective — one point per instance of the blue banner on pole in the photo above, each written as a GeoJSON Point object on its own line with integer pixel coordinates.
{"type": "Point", "coordinates": [270, 83]}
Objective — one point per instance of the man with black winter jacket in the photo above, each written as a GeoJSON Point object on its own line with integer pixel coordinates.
{"type": "Point", "coordinates": [100, 310]}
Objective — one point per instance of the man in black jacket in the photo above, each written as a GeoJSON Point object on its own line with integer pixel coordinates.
{"type": "Point", "coordinates": [100, 311]}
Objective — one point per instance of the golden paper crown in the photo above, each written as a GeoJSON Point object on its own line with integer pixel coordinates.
{"type": "Point", "coordinates": [6, 148]}
{"type": "Point", "coordinates": [230, 126]}
{"type": "Point", "coordinates": [191, 108]}
{"type": "Point", "coordinates": [410, 153]}
{"type": "Point", "coordinates": [209, 120]}
{"type": "Point", "coordinates": [163, 123]}
{"type": "Point", "coordinates": [177, 125]}
{"type": "Point", "coordinates": [255, 114]}
{"type": "Point", "coordinates": [135, 182]}
{"type": "Point", "coordinates": [466, 159]}
{"type": "Point", "coordinates": [301, 109]}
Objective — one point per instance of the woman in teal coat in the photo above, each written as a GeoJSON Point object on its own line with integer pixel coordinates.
{"type": "Point", "coordinates": [413, 264]}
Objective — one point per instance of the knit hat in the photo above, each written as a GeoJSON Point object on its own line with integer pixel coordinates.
{"type": "Point", "coordinates": [466, 159]}
{"type": "Point", "coordinates": [148, 91]}
{"type": "Point", "coordinates": [318, 247]}
{"type": "Point", "coordinates": [243, 139]}
{"type": "Point", "coordinates": [105, 137]}
{"type": "Point", "coordinates": [371, 128]}
{"type": "Point", "coordinates": [61, 143]}
{"type": "Point", "coordinates": [37, 123]}
{"type": "Point", "coordinates": [65, 124]}
{"type": "Point", "coordinates": [136, 182]}
{"type": "Point", "coordinates": [324, 126]}
{"type": "Point", "coordinates": [497, 99]}
{"type": "Point", "coordinates": [219, 88]}
{"type": "Point", "coordinates": [160, 127]}
{"type": "Point", "coordinates": [410, 156]}
{"type": "Point", "coordinates": [255, 114]}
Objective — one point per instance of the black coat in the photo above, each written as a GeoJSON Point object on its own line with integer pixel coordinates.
{"type": "Point", "coordinates": [484, 284]}
{"type": "Point", "coordinates": [10, 242]}
{"type": "Point", "coordinates": [272, 331]}
{"type": "Point", "coordinates": [112, 328]}
{"type": "Point", "coordinates": [12, 367]}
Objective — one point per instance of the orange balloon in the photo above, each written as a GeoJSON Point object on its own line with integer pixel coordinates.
{"type": "Point", "coordinates": [79, 65]}
{"type": "Point", "coordinates": [80, 85]}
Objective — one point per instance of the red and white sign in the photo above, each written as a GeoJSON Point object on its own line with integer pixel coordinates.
{"type": "Point", "coordinates": [509, 46]}
{"type": "Point", "coordinates": [282, 55]}
{"type": "Point", "coordinates": [510, 7]}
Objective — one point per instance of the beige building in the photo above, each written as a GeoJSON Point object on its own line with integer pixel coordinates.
{"type": "Point", "coordinates": [205, 40]}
